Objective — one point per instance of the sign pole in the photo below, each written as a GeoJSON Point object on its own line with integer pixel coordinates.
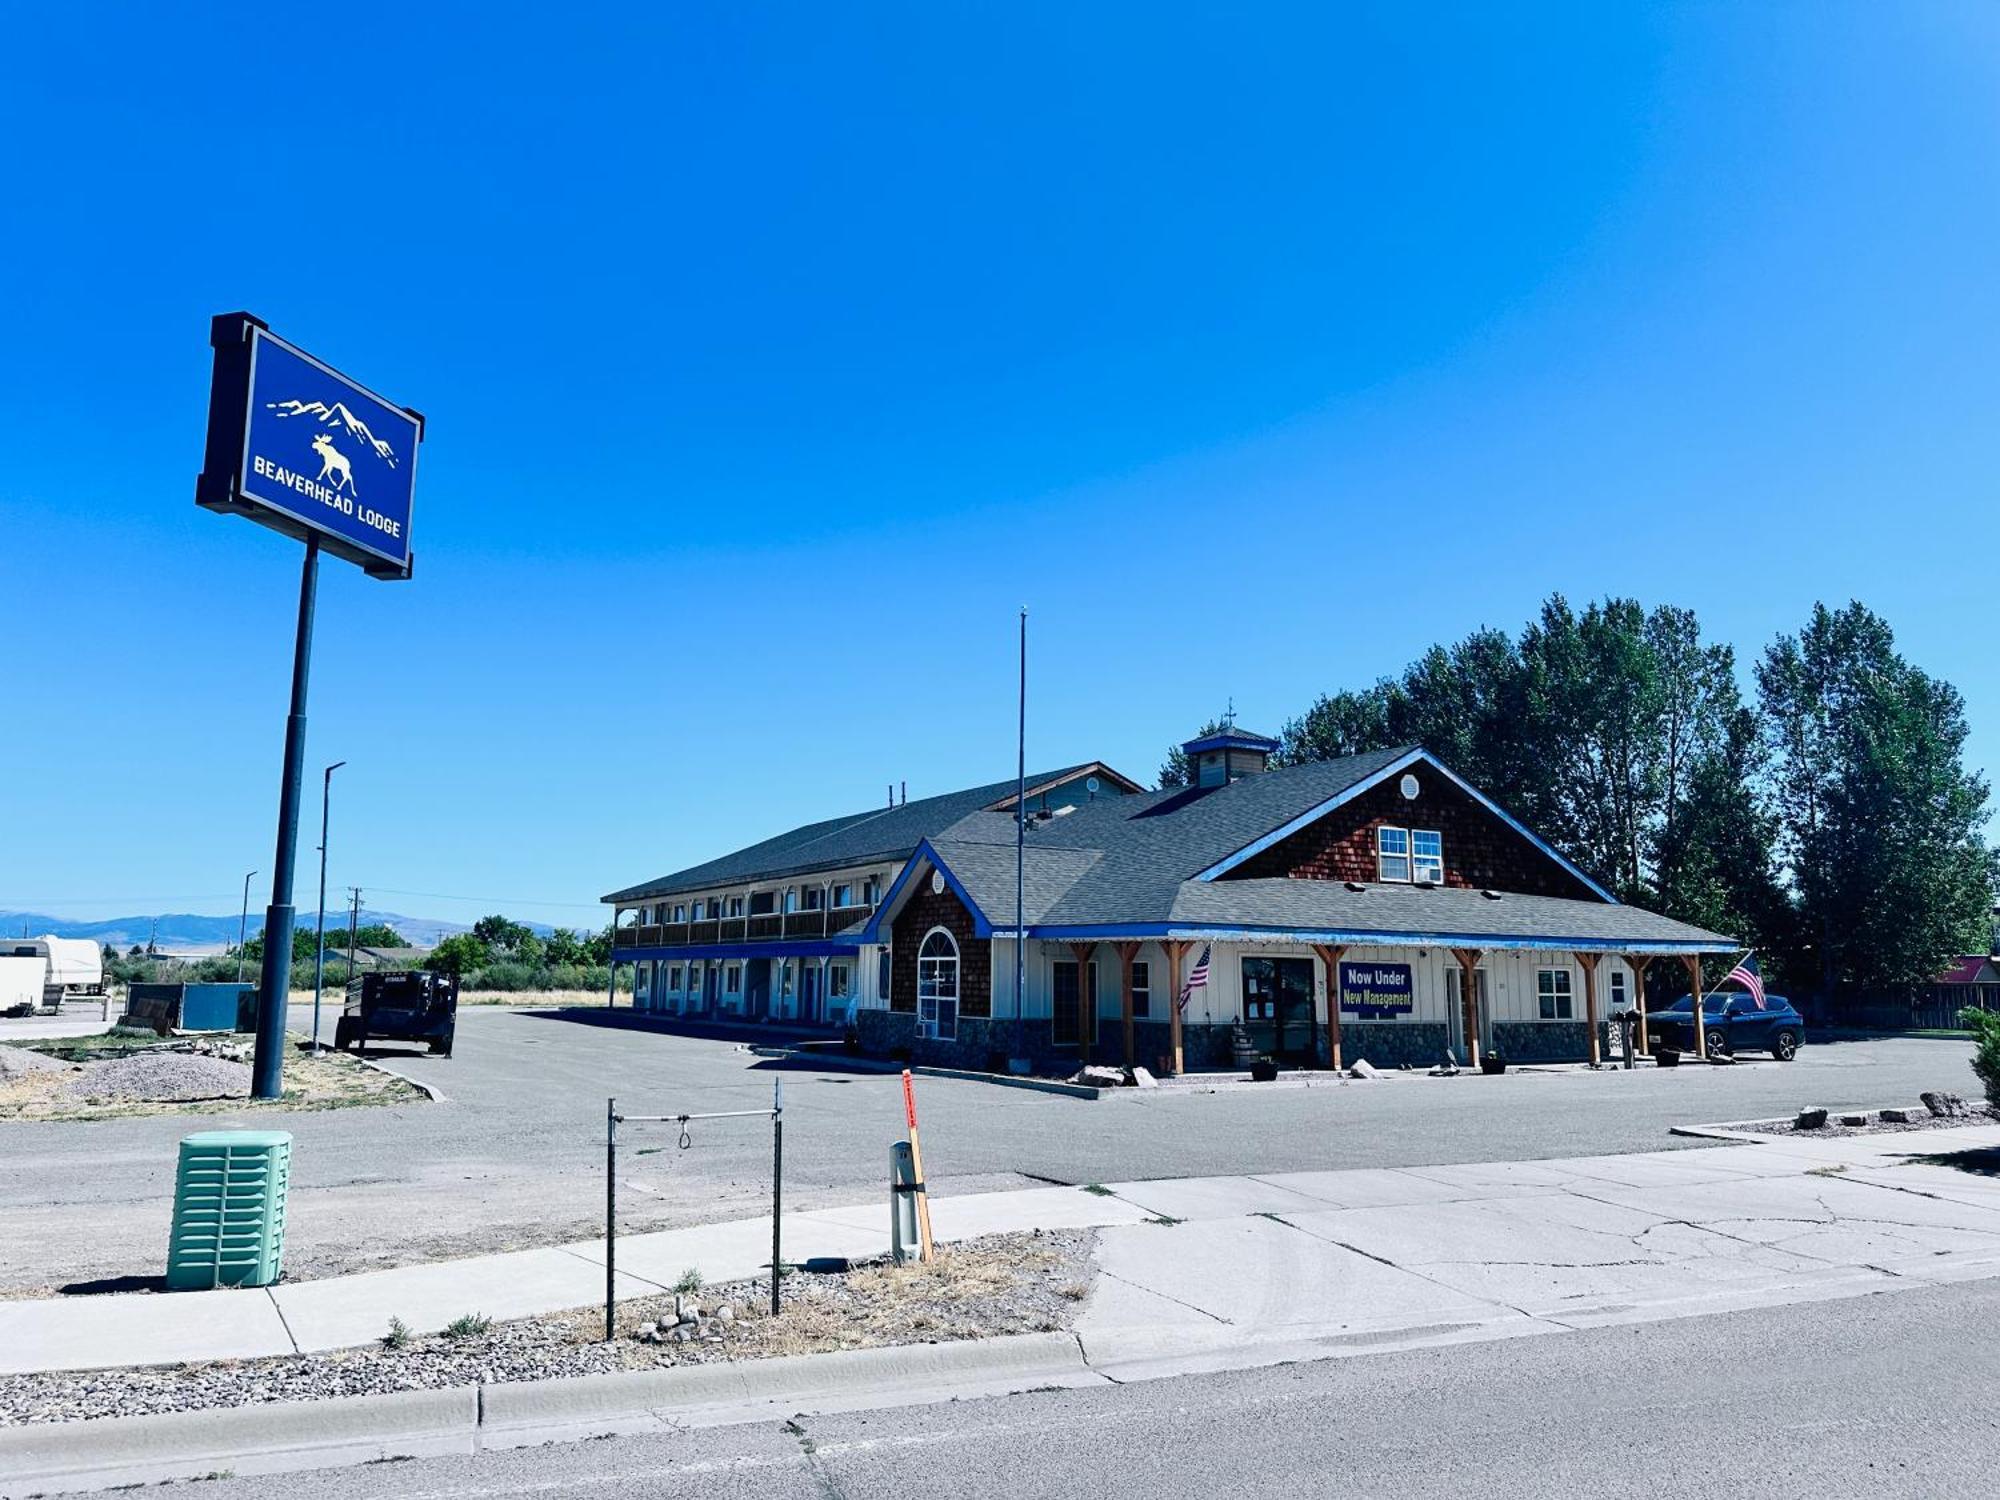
{"type": "Point", "coordinates": [925, 1251]}
{"type": "Point", "coordinates": [267, 1074]}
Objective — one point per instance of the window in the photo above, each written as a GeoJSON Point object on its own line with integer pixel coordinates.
{"type": "Point", "coordinates": [1427, 855]}
{"type": "Point", "coordinates": [732, 979]}
{"type": "Point", "coordinates": [937, 986]}
{"type": "Point", "coordinates": [674, 977]}
{"type": "Point", "coordinates": [642, 980]}
{"type": "Point", "coordinates": [680, 913]}
{"type": "Point", "coordinates": [791, 898]}
{"type": "Point", "coordinates": [1552, 992]}
{"type": "Point", "coordinates": [813, 897]}
{"type": "Point", "coordinates": [1142, 988]}
{"type": "Point", "coordinates": [735, 906]}
{"type": "Point", "coordinates": [836, 982]}
{"type": "Point", "coordinates": [1619, 999]}
{"type": "Point", "coordinates": [871, 891]}
{"type": "Point", "coordinates": [1392, 854]}
{"type": "Point", "coordinates": [843, 895]}
{"type": "Point", "coordinates": [1072, 1001]}
{"type": "Point", "coordinates": [884, 970]}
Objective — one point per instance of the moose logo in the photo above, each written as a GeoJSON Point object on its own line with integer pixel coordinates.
{"type": "Point", "coordinates": [335, 465]}
{"type": "Point", "coordinates": [333, 462]}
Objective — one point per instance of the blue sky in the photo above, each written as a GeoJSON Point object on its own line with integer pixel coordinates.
{"type": "Point", "coordinates": [774, 357]}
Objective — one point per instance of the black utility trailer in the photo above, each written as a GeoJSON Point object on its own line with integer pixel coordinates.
{"type": "Point", "coordinates": [416, 1006]}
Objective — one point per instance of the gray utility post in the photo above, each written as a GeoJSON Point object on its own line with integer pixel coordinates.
{"type": "Point", "coordinates": [242, 925]}
{"type": "Point", "coordinates": [319, 947]}
{"type": "Point", "coordinates": [353, 924]}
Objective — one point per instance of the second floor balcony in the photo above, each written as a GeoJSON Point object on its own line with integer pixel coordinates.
{"type": "Point", "coordinates": [820, 922]}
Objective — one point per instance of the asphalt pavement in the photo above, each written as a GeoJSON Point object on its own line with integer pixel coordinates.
{"type": "Point", "coordinates": [514, 1156]}
{"type": "Point", "coordinates": [1880, 1396]}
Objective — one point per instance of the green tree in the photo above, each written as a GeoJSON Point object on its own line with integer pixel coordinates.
{"type": "Point", "coordinates": [1338, 724]}
{"type": "Point", "coordinates": [460, 954]}
{"type": "Point", "coordinates": [1878, 817]}
{"type": "Point", "coordinates": [565, 947]}
{"type": "Point", "coordinates": [500, 932]}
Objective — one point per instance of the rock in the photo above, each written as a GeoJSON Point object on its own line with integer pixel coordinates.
{"type": "Point", "coordinates": [1944, 1106]}
{"type": "Point", "coordinates": [1893, 1116]}
{"type": "Point", "coordinates": [1363, 1068]}
{"type": "Point", "coordinates": [686, 1308]}
{"type": "Point", "coordinates": [680, 1333]}
{"type": "Point", "coordinates": [1143, 1078]}
{"type": "Point", "coordinates": [1099, 1077]}
{"type": "Point", "coordinates": [647, 1330]}
{"type": "Point", "coordinates": [1854, 1119]}
{"type": "Point", "coordinates": [725, 1314]}
{"type": "Point", "coordinates": [1810, 1119]}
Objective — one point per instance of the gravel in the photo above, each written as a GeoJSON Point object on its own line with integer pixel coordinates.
{"type": "Point", "coordinates": [19, 1062]}
{"type": "Point", "coordinates": [162, 1077]}
{"type": "Point", "coordinates": [1920, 1119]}
{"type": "Point", "coordinates": [1003, 1284]}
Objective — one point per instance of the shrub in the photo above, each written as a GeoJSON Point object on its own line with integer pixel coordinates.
{"type": "Point", "coordinates": [690, 1282]}
{"type": "Point", "coordinates": [398, 1334]}
{"type": "Point", "coordinates": [468, 1325]}
{"type": "Point", "coordinates": [1985, 1028]}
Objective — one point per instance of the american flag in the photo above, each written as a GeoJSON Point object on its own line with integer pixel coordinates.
{"type": "Point", "coordinates": [1197, 976]}
{"type": "Point", "coordinates": [1746, 975]}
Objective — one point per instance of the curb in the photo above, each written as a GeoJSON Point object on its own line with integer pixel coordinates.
{"type": "Point", "coordinates": [925, 1070]}
{"type": "Point", "coordinates": [280, 1437]}
{"type": "Point", "coordinates": [430, 1091]}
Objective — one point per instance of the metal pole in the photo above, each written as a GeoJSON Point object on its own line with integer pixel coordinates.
{"type": "Point", "coordinates": [353, 924]}
{"type": "Point", "coordinates": [1021, 845]}
{"type": "Point", "coordinates": [243, 924]}
{"type": "Point", "coordinates": [319, 946]}
{"type": "Point", "coordinates": [777, 1185]}
{"type": "Point", "coordinates": [610, 1209]}
{"type": "Point", "coordinates": [267, 1080]}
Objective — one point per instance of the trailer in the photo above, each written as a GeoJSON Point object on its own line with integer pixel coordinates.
{"type": "Point", "coordinates": [21, 978]}
{"type": "Point", "coordinates": [70, 966]}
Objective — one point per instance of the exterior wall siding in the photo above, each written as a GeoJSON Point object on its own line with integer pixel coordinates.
{"type": "Point", "coordinates": [1480, 850]}
{"type": "Point", "coordinates": [923, 911]}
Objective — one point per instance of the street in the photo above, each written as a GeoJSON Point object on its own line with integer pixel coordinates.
{"type": "Point", "coordinates": [1879, 1396]}
{"type": "Point", "coordinates": [514, 1156]}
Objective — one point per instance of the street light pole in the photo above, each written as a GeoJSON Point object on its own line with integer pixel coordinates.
{"type": "Point", "coordinates": [243, 924]}
{"type": "Point", "coordinates": [319, 947]}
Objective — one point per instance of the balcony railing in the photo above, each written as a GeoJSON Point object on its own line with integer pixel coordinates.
{"type": "Point", "coordinates": [763, 927]}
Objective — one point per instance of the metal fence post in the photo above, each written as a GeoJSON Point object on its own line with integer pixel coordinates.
{"type": "Point", "coordinates": [610, 1211]}
{"type": "Point", "coordinates": [777, 1185]}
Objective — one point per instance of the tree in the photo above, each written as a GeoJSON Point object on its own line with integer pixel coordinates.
{"type": "Point", "coordinates": [501, 932]}
{"type": "Point", "coordinates": [1338, 724]}
{"type": "Point", "coordinates": [565, 947]}
{"type": "Point", "coordinates": [459, 954]}
{"type": "Point", "coordinates": [1878, 818]}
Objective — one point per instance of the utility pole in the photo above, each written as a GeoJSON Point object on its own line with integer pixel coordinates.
{"type": "Point", "coordinates": [319, 947]}
{"type": "Point", "coordinates": [1020, 854]}
{"type": "Point", "coordinates": [242, 925]}
{"type": "Point", "coordinates": [353, 920]}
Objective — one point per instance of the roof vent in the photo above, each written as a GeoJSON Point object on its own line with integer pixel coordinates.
{"type": "Point", "coordinates": [1490, 895]}
{"type": "Point", "coordinates": [1355, 885]}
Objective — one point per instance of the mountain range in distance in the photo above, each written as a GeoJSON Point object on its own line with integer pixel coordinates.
{"type": "Point", "coordinates": [190, 931]}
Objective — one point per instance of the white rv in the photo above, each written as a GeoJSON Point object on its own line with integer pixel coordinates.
{"type": "Point", "coordinates": [70, 966]}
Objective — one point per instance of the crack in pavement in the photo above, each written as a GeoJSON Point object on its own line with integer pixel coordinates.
{"type": "Point", "coordinates": [1381, 1260]}
{"type": "Point", "coordinates": [815, 1465]}
{"type": "Point", "coordinates": [1168, 1296]}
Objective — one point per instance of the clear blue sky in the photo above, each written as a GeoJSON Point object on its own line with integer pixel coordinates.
{"type": "Point", "coordinates": [774, 356]}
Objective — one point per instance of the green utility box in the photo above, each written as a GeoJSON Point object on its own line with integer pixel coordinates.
{"type": "Point", "coordinates": [229, 1209]}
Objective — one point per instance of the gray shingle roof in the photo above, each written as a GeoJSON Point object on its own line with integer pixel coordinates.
{"type": "Point", "coordinates": [1132, 861]}
{"type": "Point", "coordinates": [881, 833]}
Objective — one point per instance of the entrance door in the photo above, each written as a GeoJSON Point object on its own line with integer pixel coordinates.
{"type": "Point", "coordinates": [1454, 989]}
{"type": "Point", "coordinates": [808, 992]}
{"type": "Point", "coordinates": [1278, 1007]}
{"type": "Point", "coordinates": [1069, 1009]}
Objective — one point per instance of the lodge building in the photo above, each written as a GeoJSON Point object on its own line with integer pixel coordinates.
{"type": "Point", "coordinates": [1434, 922]}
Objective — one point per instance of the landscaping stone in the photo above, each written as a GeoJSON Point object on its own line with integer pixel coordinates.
{"type": "Point", "coordinates": [1097, 1076]}
{"type": "Point", "coordinates": [1143, 1078]}
{"type": "Point", "coordinates": [1363, 1068]}
{"type": "Point", "coordinates": [1894, 1116]}
{"type": "Point", "coordinates": [1810, 1119]}
{"type": "Point", "coordinates": [1854, 1119]}
{"type": "Point", "coordinates": [1944, 1106]}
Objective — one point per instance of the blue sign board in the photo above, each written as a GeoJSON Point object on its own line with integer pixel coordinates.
{"type": "Point", "coordinates": [1377, 991]}
{"type": "Point", "coordinates": [300, 447]}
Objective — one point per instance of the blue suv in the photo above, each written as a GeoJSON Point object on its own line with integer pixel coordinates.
{"type": "Point", "coordinates": [1733, 1023]}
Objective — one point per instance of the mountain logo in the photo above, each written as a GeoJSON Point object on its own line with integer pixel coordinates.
{"type": "Point", "coordinates": [335, 416]}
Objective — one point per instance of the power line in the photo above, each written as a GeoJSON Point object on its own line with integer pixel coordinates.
{"type": "Point", "coordinates": [494, 900]}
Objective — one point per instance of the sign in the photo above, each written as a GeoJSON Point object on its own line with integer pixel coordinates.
{"type": "Point", "coordinates": [1377, 991]}
{"type": "Point", "coordinates": [297, 446]}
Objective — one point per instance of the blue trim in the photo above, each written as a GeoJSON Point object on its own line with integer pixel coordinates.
{"type": "Point", "coordinates": [1232, 739]}
{"type": "Point", "coordinates": [922, 854]}
{"type": "Point", "coordinates": [1369, 783]}
{"type": "Point", "coordinates": [1229, 932]}
{"type": "Point", "coordinates": [828, 948]}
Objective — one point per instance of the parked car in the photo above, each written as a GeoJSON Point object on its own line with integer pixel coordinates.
{"type": "Point", "coordinates": [1732, 1022]}
{"type": "Point", "coordinates": [399, 1007]}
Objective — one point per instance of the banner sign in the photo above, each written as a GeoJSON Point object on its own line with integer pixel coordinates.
{"type": "Point", "coordinates": [1377, 991]}
{"type": "Point", "coordinates": [297, 446]}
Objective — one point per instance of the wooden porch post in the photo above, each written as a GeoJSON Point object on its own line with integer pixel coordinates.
{"type": "Point", "coordinates": [1128, 954]}
{"type": "Point", "coordinates": [1177, 949]}
{"type": "Point", "coordinates": [1086, 1000]}
{"type": "Point", "coordinates": [1588, 962]}
{"type": "Point", "coordinates": [1330, 954]}
{"type": "Point", "coordinates": [1637, 963]}
{"type": "Point", "coordinates": [1694, 989]}
{"type": "Point", "coordinates": [1468, 986]}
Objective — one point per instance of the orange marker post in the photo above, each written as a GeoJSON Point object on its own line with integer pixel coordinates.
{"type": "Point", "coordinates": [926, 1251]}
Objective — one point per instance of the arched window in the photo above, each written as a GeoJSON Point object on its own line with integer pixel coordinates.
{"type": "Point", "coordinates": [937, 986]}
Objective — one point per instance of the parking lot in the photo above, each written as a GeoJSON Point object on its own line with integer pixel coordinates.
{"type": "Point", "coordinates": [514, 1155]}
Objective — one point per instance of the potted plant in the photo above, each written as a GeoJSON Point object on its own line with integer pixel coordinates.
{"type": "Point", "coordinates": [1264, 1069]}
{"type": "Point", "coordinates": [1493, 1062]}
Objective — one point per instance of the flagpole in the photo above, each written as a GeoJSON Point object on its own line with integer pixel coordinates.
{"type": "Point", "coordinates": [1021, 849]}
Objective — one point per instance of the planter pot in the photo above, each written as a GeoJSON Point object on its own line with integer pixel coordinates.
{"type": "Point", "coordinates": [1492, 1062]}
{"type": "Point", "coordinates": [1666, 1057]}
{"type": "Point", "coordinates": [1263, 1070]}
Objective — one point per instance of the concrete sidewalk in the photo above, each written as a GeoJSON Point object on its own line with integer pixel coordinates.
{"type": "Point", "coordinates": [1286, 1263]}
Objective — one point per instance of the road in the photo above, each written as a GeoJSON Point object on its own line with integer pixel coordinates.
{"type": "Point", "coordinates": [1882, 1396]}
{"type": "Point", "coordinates": [514, 1157]}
